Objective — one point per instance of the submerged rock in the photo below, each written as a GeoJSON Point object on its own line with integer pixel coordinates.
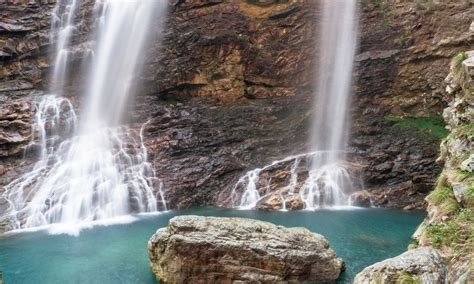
{"type": "Point", "coordinates": [195, 249]}
{"type": "Point", "coordinates": [422, 265]}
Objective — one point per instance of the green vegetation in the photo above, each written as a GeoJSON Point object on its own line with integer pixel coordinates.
{"type": "Point", "coordinates": [413, 244]}
{"type": "Point", "coordinates": [433, 126]}
{"type": "Point", "coordinates": [407, 278]}
{"type": "Point", "coordinates": [401, 41]}
{"type": "Point", "coordinates": [443, 198]}
{"type": "Point", "coordinates": [463, 131]}
{"type": "Point", "coordinates": [469, 195]}
{"type": "Point", "coordinates": [458, 59]}
{"type": "Point", "coordinates": [461, 175]}
{"type": "Point", "coordinates": [460, 75]}
{"type": "Point", "coordinates": [423, 4]}
{"type": "Point", "coordinates": [457, 233]}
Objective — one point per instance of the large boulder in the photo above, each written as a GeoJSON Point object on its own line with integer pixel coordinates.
{"type": "Point", "coordinates": [195, 249]}
{"type": "Point", "coordinates": [422, 265]}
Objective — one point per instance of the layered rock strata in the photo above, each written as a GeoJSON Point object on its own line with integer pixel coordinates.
{"type": "Point", "coordinates": [229, 90]}
{"type": "Point", "coordinates": [448, 229]}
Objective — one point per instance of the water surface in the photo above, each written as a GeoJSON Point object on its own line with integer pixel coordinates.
{"type": "Point", "coordinates": [118, 254]}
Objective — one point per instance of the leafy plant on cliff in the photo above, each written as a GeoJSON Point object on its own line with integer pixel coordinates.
{"type": "Point", "coordinates": [457, 234]}
{"type": "Point", "coordinates": [433, 126]}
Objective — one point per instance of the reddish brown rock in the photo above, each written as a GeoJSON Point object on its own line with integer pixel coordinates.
{"type": "Point", "coordinates": [361, 198]}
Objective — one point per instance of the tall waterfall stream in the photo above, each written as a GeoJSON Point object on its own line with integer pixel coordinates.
{"type": "Point", "coordinates": [91, 168]}
{"type": "Point", "coordinates": [328, 182]}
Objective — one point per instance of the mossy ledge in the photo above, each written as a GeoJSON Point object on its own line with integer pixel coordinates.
{"type": "Point", "coordinates": [448, 229]}
{"type": "Point", "coordinates": [449, 226]}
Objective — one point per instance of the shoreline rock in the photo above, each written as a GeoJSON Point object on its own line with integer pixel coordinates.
{"type": "Point", "coordinates": [422, 265]}
{"type": "Point", "coordinates": [194, 249]}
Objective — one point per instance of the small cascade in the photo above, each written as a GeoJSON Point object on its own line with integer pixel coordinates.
{"type": "Point", "coordinates": [77, 179]}
{"type": "Point", "coordinates": [328, 182]}
{"type": "Point", "coordinates": [325, 187]}
{"type": "Point", "coordinates": [93, 168]}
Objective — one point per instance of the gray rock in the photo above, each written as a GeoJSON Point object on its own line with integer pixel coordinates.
{"type": "Point", "coordinates": [422, 265]}
{"type": "Point", "coordinates": [460, 190]}
{"type": "Point", "coordinates": [196, 249]}
{"type": "Point", "coordinates": [468, 164]}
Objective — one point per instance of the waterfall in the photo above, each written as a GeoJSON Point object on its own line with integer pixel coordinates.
{"type": "Point", "coordinates": [338, 43]}
{"type": "Point", "coordinates": [328, 182]}
{"type": "Point", "coordinates": [92, 168]}
{"type": "Point", "coordinates": [62, 27]}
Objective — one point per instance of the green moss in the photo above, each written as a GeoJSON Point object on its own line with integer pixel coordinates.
{"type": "Point", "coordinates": [433, 126]}
{"type": "Point", "coordinates": [407, 278]}
{"type": "Point", "coordinates": [458, 59]}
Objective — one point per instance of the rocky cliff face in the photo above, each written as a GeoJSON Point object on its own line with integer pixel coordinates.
{"type": "Point", "coordinates": [449, 225]}
{"type": "Point", "coordinates": [447, 232]}
{"type": "Point", "coordinates": [229, 89]}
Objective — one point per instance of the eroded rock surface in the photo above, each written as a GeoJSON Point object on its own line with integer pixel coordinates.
{"type": "Point", "coordinates": [447, 230]}
{"type": "Point", "coordinates": [423, 265]}
{"type": "Point", "coordinates": [229, 89]}
{"type": "Point", "coordinates": [195, 249]}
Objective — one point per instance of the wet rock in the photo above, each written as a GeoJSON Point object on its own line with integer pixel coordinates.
{"type": "Point", "coordinates": [15, 126]}
{"type": "Point", "coordinates": [245, 78]}
{"type": "Point", "coordinates": [196, 249]}
{"type": "Point", "coordinates": [271, 202]}
{"type": "Point", "coordinates": [422, 265]}
{"type": "Point", "coordinates": [361, 198]}
{"type": "Point", "coordinates": [276, 201]}
{"type": "Point", "coordinates": [294, 202]}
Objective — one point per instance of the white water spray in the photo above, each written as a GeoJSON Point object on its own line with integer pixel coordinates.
{"type": "Point", "coordinates": [62, 27]}
{"type": "Point", "coordinates": [328, 183]}
{"type": "Point", "coordinates": [101, 172]}
{"type": "Point", "coordinates": [321, 188]}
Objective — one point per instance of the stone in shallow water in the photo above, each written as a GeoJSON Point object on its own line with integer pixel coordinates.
{"type": "Point", "coordinates": [422, 265]}
{"type": "Point", "coordinates": [195, 249]}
